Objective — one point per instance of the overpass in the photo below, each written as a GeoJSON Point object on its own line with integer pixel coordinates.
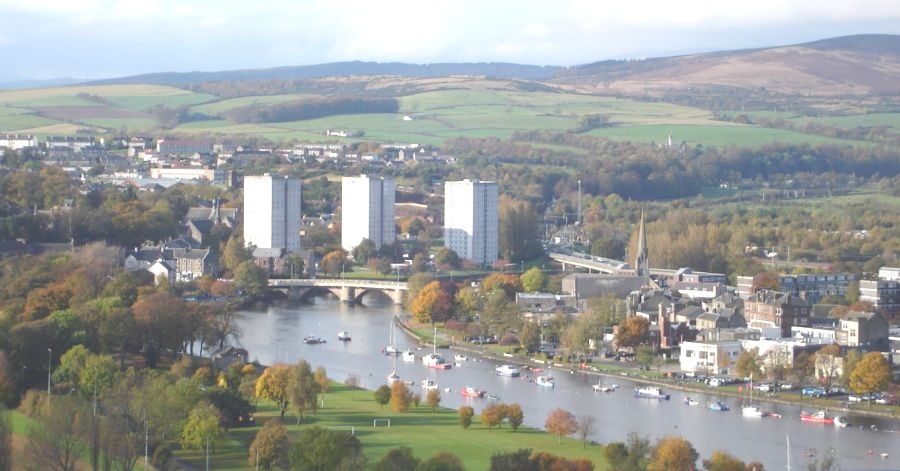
{"type": "Point", "coordinates": [347, 290]}
{"type": "Point", "coordinates": [592, 263]}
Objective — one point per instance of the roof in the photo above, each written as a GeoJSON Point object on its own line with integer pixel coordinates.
{"type": "Point", "coordinates": [858, 316]}
{"type": "Point", "coordinates": [268, 252]}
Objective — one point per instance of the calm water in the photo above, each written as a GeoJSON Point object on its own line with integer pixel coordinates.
{"type": "Point", "coordinates": [278, 331]}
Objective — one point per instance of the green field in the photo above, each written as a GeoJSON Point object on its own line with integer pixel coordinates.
{"type": "Point", "coordinates": [436, 116]}
{"type": "Point", "coordinates": [425, 432]}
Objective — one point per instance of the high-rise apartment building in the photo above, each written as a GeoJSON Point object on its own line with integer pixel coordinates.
{"type": "Point", "coordinates": [471, 221]}
{"type": "Point", "coordinates": [272, 216]}
{"type": "Point", "coordinates": [367, 210]}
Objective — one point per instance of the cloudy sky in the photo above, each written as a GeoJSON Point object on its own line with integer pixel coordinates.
{"type": "Point", "coordinates": [44, 39]}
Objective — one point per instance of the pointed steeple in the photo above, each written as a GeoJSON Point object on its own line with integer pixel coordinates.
{"type": "Point", "coordinates": [641, 261]}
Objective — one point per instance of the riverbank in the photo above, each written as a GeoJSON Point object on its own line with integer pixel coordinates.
{"type": "Point", "coordinates": [630, 371]}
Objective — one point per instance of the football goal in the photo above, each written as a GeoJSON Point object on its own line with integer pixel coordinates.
{"type": "Point", "coordinates": [375, 422]}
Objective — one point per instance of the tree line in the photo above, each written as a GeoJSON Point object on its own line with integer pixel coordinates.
{"type": "Point", "coordinates": [310, 108]}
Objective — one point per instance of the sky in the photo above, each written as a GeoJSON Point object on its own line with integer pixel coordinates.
{"type": "Point", "coordinates": [92, 39]}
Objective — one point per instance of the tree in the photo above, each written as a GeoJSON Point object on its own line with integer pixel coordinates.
{"type": "Point", "coordinates": [447, 257]}
{"type": "Point", "coordinates": [766, 280]}
{"type": "Point", "coordinates": [442, 461]}
{"type": "Point", "coordinates": [749, 364]}
{"type": "Point", "coordinates": [721, 461]}
{"type": "Point", "coordinates": [803, 368]}
{"type": "Point", "coordinates": [319, 449]}
{"type": "Point", "coordinates": [586, 427]}
{"type": "Point", "coordinates": [160, 318]}
{"type": "Point", "coordinates": [433, 399]}
{"type": "Point", "coordinates": [434, 303]}
{"type": "Point", "coordinates": [274, 385]}
{"type": "Point", "coordinates": [334, 262]}
{"type": "Point", "coordinates": [397, 459]}
{"type": "Point", "coordinates": [673, 454]}
{"type": "Point", "coordinates": [851, 359]}
{"type": "Point", "coordinates": [519, 460]}
{"type": "Point", "coordinates": [98, 375]}
{"type": "Point", "coordinates": [6, 460]}
{"type": "Point", "coordinates": [70, 365]}
{"type": "Point", "coordinates": [632, 332]}
{"type": "Point", "coordinates": [55, 442]}
{"type": "Point", "coordinates": [872, 373]}
{"type": "Point", "coordinates": [302, 388]}
{"type": "Point", "coordinates": [530, 335]}
{"type": "Point", "coordinates": [519, 224]}
{"type": "Point", "coordinates": [616, 454]}
{"type": "Point", "coordinates": [223, 322]}
{"type": "Point", "coordinates": [560, 423]}
{"type": "Point", "coordinates": [321, 378]}
{"type": "Point", "coordinates": [270, 446]}
{"type": "Point", "coordinates": [383, 395]}
{"type": "Point", "coordinates": [515, 416]}
{"type": "Point", "coordinates": [492, 415]}
{"type": "Point", "coordinates": [251, 279]}
{"type": "Point", "coordinates": [465, 416]}
{"type": "Point", "coordinates": [533, 280]}
{"type": "Point", "coordinates": [828, 364]}
{"type": "Point", "coordinates": [401, 396]}
{"type": "Point", "coordinates": [507, 283]}
{"type": "Point", "coordinates": [202, 428]}
{"type": "Point", "coordinates": [645, 355]}
{"type": "Point", "coordinates": [235, 253]}
{"type": "Point", "coordinates": [294, 265]}
{"type": "Point", "coordinates": [364, 251]}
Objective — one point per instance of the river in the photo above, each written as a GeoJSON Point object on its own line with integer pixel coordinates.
{"type": "Point", "coordinates": [275, 333]}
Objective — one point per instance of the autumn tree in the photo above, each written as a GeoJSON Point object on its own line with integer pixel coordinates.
{"type": "Point", "coordinates": [434, 303]}
{"type": "Point", "coordinates": [492, 415]}
{"type": "Point", "coordinates": [722, 461]}
{"type": "Point", "coordinates": [561, 423]}
{"type": "Point", "coordinates": [766, 280]}
{"type": "Point", "coordinates": [320, 376]}
{"type": "Point", "coordinates": [383, 395]}
{"type": "Point", "coordinates": [160, 319]}
{"type": "Point", "coordinates": [533, 280]}
{"type": "Point", "coordinates": [55, 442]}
{"type": "Point", "coordinates": [433, 399]}
{"type": "Point", "coordinates": [274, 385]}
{"type": "Point", "coordinates": [514, 414]}
{"type": "Point", "coordinates": [872, 373]}
{"type": "Point", "coordinates": [632, 332]}
{"type": "Point", "coordinates": [334, 262]}
{"type": "Point", "coordinates": [441, 461]}
{"type": "Point", "coordinates": [673, 453]}
{"type": "Point", "coordinates": [302, 388]}
{"type": "Point", "coordinates": [400, 458]}
{"type": "Point", "coordinates": [202, 427]}
{"type": "Point", "coordinates": [519, 460]}
{"type": "Point", "coordinates": [364, 251]}
{"type": "Point", "coordinates": [530, 335]}
{"type": "Point", "coordinates": [270, 447]}
{"type": "Point", "coordinates": [401, 396]}
{"type": "Point", "coordinates": [828, 365]}
{"type": "Point", "coordinates": [465, 416]}
{"type": "Point", "coordinates": [749, 364]}
{"type": "Point", "coordinates": [415, 284]}
{"type": "Point", "coordinates": [587, 425]}
{"type": "Point", "coordinates": [508, 283]}
{"type": "Point", "coordinates": [803, 368]}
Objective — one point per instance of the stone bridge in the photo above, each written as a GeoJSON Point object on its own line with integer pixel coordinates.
{"type": "Point", "coordinates": [347, 290]}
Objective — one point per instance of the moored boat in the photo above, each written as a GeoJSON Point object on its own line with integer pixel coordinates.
{"type": "Point", "coordinates": [507, 370]}
{"type": "Point", "coordinates": [691, 402]}
{"type": "Point", "coordinates": [603, 387]}
{"type": "Point", "coordinates": [313, 339]}
{"type": "Point", "coordinates": [393, 377]}
{"type": "Point", "coordinates": [818, 417]}
{"type": "Point", "coordinates": [752, 410]}
{"type": "Point", "coordinates": [343, 336]}
{"type": "Point", "coordinates": [458, 358]}
{"type": "Point", "coordinates": [717, 406]}
{"type": "Point", "coordinates": [408, 355]}
{"type": "Point", "coordinates": [545, 381]}
{"type": "Point", "coordinates": [433, 360]}
{"type": "Point", "coordinates": [840, 422]}
{"type": "Point", "coordinates": [469, 391]}
{"type": "Point", "coordinates": [429, 384]}
{"type": "Point", "coordinates": [650, 392]}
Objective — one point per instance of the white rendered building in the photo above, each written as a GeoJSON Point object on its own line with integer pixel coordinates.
{"type": "Point", "coordinates": [471, 220]}
{"type": "Point", "coordinates": [272, 215]}
{"type": "Point", "coordinates": [367, 208]}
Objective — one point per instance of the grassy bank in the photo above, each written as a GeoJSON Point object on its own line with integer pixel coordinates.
{"type": "Point", "coordinates": [425, 432]}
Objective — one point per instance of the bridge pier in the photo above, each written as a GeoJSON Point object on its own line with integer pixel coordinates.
{"type": "Point", "coordinates": [348, 294]}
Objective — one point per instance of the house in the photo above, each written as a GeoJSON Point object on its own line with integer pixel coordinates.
{"type": "Point", "coordinates": [192, 263]}
{"type": "Point", "coordinates": [272, 260]}
{"type": "Point", "coordinates": [162, 270]}
{"type": "Point", "coordinates": [862, 329]}
{"type": "Point", "coordinates": [774, 309]}
{"type": "Point", "coordinates": [709, 356]}
{"type": "Point", "coordinates": [884, 294]}
{"type": "Point", "coordinates": [225, 356]}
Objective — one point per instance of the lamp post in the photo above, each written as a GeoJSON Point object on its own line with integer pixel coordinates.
{"type": "Point", "coordinates": [49, 369]}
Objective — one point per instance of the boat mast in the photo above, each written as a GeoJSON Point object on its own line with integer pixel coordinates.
{"type": "Point", "coordinates": [788, 452]}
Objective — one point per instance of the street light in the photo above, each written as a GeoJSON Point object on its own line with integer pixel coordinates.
{"type": "Point", "coordinates": [49, 368]}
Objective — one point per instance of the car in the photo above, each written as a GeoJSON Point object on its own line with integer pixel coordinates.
{"type": "Point", "coordinates": [888, 399]}
{"type": "Point", "coordinates": [814, 391]}
{"type": "Point", "coordinates": [785, 386]}
{"type": "Point", "coordinates": [765, 387]}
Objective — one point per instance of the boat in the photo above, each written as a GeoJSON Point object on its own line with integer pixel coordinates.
{"type": "Point", "coordinates": [458, 358]}
{"type": "Point", "coordinates": [313, 339]}
{"type": "Point", "coordinates": [390, 348]}
{"type": "Point", "coordinates": [650, 392]}
{"type": "Point", "coordinates": [408, 355]}
{"type": "Point", "coordinates": [751, 409]}
{"type": "Point", "coordinates": [545, 381]}
{"type": "Point", "coordinates": [717, 406]}
{"type": "Point", "coordinates": [603, 387]}
{"type": "Point", "coordinates": [691, 402]}
{"type": "Point", "coordinates": [507, 370]}
{"type": "Point", "coordinates": [429, 384]}
{"type": "Point", "coordinates": [469, 391]}
{"type": "Point", "coordinates": [343, 336]}
{"type": "Point", "coordinates": [433, 359]}
{"type": "Point", "coordinates": [840, 422]}
{"type": "Point", "coordinates": [818, 417]}
{"type": "Point", "coordinates": [493, 397]}
{"type": "Point", "coordinates": [393, 377]}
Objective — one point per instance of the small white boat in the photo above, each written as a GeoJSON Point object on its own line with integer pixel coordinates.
{"type": "Point", "coordinates": [408, 355]}
{"type": "Point", "coordinates": [841, 422]}
{"type": "Point", "coordinates": [458, 358]}
{"type": "Point", "coordinates": [433, 360]}
{"type": "Point", "coordinates": [545, 381]}
{"type": "Point", "coordinates": [691, 402]}
{"type": "Point", "coordinates": [752, 410]}
{"type": "Point", "coordinates": [391, 350]}
{"type": "Point", "coordinates": [393, 377]}
{"type": "Point", "coordinates": [343, 336]}
{"type": "Point", "coordinates": [650, 392]}
{"type": "Point", "coordinates": [507, 370]}
{"type": "Point", "coordinates": [313, 339]}
{"type": "Point", "coordinates": [717, 406]}
{"type": "Point", "coordinates": [429, 384]}
{"type": "Point", "coordinates": [603, 387]}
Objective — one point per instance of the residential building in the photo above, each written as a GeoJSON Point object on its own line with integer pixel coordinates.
{"type": "Point", "coordinates": [471, 220]}
{"type": "Point", "coordinates": [272, 217]}
{"type": "Point", "coordinates": [183, 146]}
{"type": "Point", "coordinates": [73, 143]}
{"type": "Point", "coordinates": [885, 273]}
{"type": "Point", "coordinates": [18, 141]}
{"type": "Point", "coordinates": [814, 287]}
{"type": "Point", "coordinates": [189, 173]}
{"type": "Point", "coordinates": [367, 208]}
{"type": "Point", "coordinates": [881, 293]}
{"type": "Point", "coordinates": [866, 329]}
{"type": "Point", "coordinates": [709, 357]}
{"type": "Point", "coordinates": [774, 309]}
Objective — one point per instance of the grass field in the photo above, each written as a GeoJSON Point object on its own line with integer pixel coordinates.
{"type": "Point", "coordinates": [425, 432]}
{"type": "Point", "coordinates": [475, 112]}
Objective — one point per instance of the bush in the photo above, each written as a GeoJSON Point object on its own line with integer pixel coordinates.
{"type": "Point", "coordinates": [465, 416]}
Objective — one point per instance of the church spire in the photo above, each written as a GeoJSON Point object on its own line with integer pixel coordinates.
{"type": "Point", "coordinates": [641, 261]}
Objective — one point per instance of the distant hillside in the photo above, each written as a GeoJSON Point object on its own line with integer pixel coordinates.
{"type": "Point", "coordinates": [338, 69]}
{"type": "Point", "coordinates": [863, 65]}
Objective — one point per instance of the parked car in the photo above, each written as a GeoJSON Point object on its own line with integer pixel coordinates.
{"type": "Point", "coordinates": [814, 392]}
{"type": "Point", "coordinates": [765, 387]}
{"type": "Point", "coordinates": [785, 386]}
{"type": "Point", "coordinates": [888, 399]}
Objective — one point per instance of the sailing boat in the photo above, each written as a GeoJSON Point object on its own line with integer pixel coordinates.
{"type": "Point", "coordinates": [750, 409]}
{"type": "Point", "coordinates": [433, 360]}
{"type": "Point", "coordinates": [391, 349]}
